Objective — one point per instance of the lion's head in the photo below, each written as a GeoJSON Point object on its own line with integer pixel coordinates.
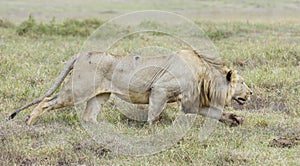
{"type": "Point", "coordinates": [220, 88]}
{"type": "Point", "coordinates": [238, 89]}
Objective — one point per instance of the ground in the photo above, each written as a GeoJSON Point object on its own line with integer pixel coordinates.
{"type": "Point", "coordinates": [261, 43]}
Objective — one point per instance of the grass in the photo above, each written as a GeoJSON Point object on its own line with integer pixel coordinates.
{"type": "Point", "coordinates": [68, 27]}
{"type": "Point", "coordinates": [267, 55]}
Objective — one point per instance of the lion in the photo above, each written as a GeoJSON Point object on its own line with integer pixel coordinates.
{"type": "Point", "coordinates": [201, 84]}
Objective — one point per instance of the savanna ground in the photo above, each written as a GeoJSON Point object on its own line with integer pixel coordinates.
{"type": "Point", "coordinates": [264, 47]}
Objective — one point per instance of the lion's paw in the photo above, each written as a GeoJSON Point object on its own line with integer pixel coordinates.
{"type": "Point", "coordinates": [232, 120]}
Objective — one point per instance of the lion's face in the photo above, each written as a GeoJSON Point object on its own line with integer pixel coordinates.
{"type": "Point", "coordinates": [240, 92]}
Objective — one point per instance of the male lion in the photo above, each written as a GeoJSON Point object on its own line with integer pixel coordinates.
{"type": "Point", "coordinates": [197, 81]}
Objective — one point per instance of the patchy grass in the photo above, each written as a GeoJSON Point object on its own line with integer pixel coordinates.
{"type": "Point", "coordinates": [69, 27]}
{"type": "Point", "coordinates": [267, 55]}
{"type": "Point", "coordinates": [6, 24]}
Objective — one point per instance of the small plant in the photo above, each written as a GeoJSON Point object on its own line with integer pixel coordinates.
{"type": "Point", "coordinates": [6, 24]}
{"type": "Point", "coordinates": [70, 27]}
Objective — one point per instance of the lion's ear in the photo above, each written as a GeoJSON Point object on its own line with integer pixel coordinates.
{"type": "Point", "coordinates": [228, 76]}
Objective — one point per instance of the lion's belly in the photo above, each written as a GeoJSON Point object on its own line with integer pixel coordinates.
{"type": "Point", "coordinates": [133, 80]}
{"type": "Point", "coordinates": [143, 98]}
{"type": "Point", "coordinates": [135, 98]}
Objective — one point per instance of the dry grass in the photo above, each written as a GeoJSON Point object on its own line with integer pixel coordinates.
{"type": "Point", "coordinates": [267, 55]}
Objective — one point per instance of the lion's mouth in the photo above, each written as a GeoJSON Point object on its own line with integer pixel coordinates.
{"type": "Point", "coordinates": [240, 100]}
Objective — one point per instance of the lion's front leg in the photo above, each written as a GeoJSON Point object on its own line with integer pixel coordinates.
{"type": "Point", "coordinates": [157, 102]}
{"type": "Point", "coordinates": [229, 119]}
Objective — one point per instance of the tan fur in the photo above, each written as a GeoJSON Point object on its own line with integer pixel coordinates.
{"type": "Point", "coordinates": [196, 80]}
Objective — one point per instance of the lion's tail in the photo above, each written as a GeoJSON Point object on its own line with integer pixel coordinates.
{"type": "Point", "coordinates": [68, 67]}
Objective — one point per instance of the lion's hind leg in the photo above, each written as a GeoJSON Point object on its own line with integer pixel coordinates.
{"type": "Point", "coordinates": [48, 104]}
{"type": "Point", "coordinates": [93, 107]}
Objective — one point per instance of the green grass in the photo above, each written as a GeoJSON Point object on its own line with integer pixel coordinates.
{"type": "Point", "coordinates": [266, 54]}
{"type": "Point", "coordinates": [69, 27]}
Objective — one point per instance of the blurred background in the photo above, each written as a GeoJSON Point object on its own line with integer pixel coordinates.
{"type": "Point", "coordinates": [257, 10]}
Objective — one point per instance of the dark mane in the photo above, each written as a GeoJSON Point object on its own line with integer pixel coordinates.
{"type": "Point", "coordinates": [213, 61]}
{"type": "Point", "coordinates": [214, 86]}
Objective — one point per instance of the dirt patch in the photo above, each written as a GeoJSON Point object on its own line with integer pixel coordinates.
{"type": "Point", "coordinates": [285, 142]}
{"type": "Point", "coordinates": [90, 145]}
{"type": "Point", "coordinates": [288, 139]}
{"type": "Point", "coordinates": [230, 158]}
{"type": "Point", "coordinates": [28, 161]}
